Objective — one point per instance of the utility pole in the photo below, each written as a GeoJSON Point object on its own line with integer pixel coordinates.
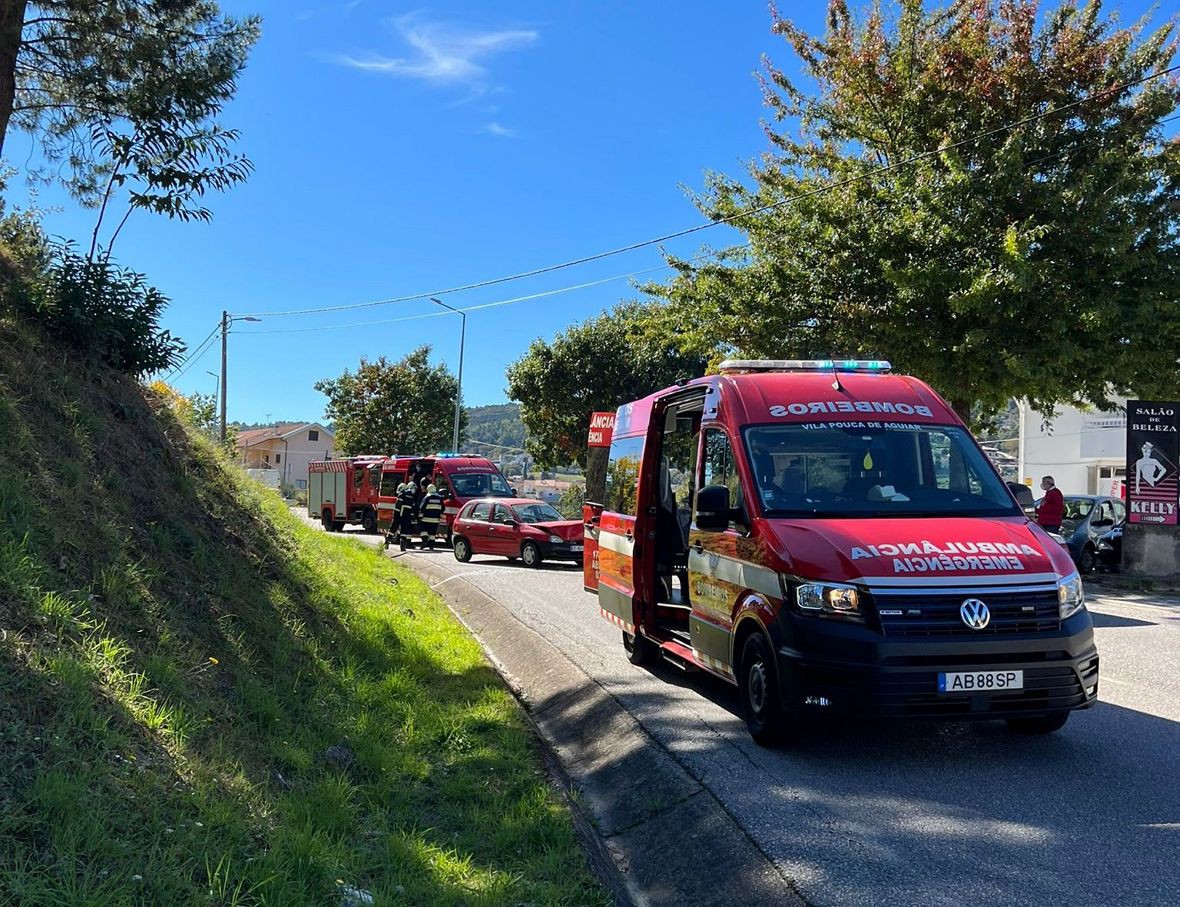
{"type": "Point", "coordinates": [459, 392]}
{"type": "Point", "coordinates": [226, 321]}
{"type": "Point", "coordinates": [224, 371]}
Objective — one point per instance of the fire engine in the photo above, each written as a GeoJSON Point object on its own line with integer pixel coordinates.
{"type": "Point", "coordinates": [344, 491]}
{"type": "Point", "coordinates": [459, 478]}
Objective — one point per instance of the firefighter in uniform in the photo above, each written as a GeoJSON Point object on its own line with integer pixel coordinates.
{"type": "Point", "coordinates": [406, 510]}
{"type": "Point", "coordinates": [430, 513]}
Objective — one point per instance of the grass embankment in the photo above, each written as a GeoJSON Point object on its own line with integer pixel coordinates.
{"type": "Point", "coordinates": [204, 701]}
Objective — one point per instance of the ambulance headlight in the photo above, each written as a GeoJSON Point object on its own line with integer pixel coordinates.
{"type": "Point", "coordinates": [828, 598]}
{"type": "Point", "coordinates": [1071, 597]}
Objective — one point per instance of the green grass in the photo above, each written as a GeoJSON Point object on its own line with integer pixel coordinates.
{"type": "Point", "coordinates": [177, 654]}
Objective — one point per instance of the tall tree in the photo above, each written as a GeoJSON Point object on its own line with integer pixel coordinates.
{"type": "Point", "coordinates": [1036, 260]}
{"type": "Point", "coordinates": [402, 407]}
{"type": "Point", "coordinates": [593, 366]}
{"type": "Point", "coordinates": [127, 92]}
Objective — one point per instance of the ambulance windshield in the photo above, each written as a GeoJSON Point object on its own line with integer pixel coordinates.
{"type": "Point", "coordinates": [898, 469]}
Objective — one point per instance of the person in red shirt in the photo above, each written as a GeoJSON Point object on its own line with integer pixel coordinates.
{"type": "Point", "coordinates": [1051, 510]}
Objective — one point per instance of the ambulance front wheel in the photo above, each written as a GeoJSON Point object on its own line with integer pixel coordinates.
{"type": "Point", "coordinates": [759, 690]}
{"type": "Point", "coordinates": [639, 649]}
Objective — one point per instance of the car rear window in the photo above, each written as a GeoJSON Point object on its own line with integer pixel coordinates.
{"type": "Point", "coordinates": [480, 511]}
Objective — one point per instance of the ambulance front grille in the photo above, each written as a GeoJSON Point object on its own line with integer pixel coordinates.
{"type": "Point", "coordinates": [906, 613]}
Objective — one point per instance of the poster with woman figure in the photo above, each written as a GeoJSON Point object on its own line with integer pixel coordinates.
{"type": "Point", "coordinates": [1153, 451]}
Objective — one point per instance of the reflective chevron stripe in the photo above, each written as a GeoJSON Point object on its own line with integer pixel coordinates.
{"type": "Point", "coordinates": [615, 619]}
{"type": "Point", "coordinates": [708, 661]}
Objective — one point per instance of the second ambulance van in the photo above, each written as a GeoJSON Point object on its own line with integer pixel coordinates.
{"type": "Point", "coordinates": [828, 537]}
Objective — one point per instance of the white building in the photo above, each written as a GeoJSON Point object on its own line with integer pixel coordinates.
{"type": "Point", "coordinates": [285, 450]}
{"type": "Point", "coordinates": [1084, 451]}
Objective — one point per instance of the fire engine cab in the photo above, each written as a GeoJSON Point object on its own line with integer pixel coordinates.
{"type": "Point", "coordinates": [459, 478]}
{"type": "Point", "coordinates": [828, 537]}
{"type": "Point", "coordinates": [344, 491]}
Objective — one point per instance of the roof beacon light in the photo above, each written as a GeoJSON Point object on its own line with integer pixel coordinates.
{"type": "Point", "coordinates": [805, 365]}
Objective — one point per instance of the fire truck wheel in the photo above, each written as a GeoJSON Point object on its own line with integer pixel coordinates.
{"type": "Point", "coordinates": [462, 549]}
{"type": "Point", "coordinates": [639, 648]}
{"type": "Point", "coordinates": [530, 554]}
{"type": "Point", "coordinates": [369, 520]}
{"type": "Point", "coordinates": [326, 520]}
{"type": "Point", "coordinates": [758, 685]}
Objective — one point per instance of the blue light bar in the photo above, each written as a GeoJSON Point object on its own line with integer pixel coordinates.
{"type": "Point", "coordinates": [805, 365]}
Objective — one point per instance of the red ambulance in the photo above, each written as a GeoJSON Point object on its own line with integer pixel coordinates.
{"type": "Point", "coordinates": [344, 491]}
{"type": "Point", "coordinates": [828, 537]}
{"type": "Point", "coordinates": [459, 478]}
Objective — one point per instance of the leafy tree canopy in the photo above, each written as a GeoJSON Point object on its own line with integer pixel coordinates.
{"type": "Point", "coordinates": [1037, 261]}
{"type": "Point", "coordinates": [127, 93]}
{"type": "Point", "coordinates": [403, 407]}
{"type": "Point", "coordinates": [594, 366]}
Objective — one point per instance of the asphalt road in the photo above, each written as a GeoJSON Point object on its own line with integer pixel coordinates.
{"type": "Point", "coordinates": [917, 813]}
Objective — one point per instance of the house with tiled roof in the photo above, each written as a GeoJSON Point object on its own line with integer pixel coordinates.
{"type": "Point", "coordinates": [283, 451]}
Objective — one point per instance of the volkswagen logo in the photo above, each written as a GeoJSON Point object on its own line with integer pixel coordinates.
{"type": "Point", "coordinates": [975, 614]}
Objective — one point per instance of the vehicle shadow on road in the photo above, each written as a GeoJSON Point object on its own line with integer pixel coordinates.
{"type": "Point", "coordinates": [941, 812]}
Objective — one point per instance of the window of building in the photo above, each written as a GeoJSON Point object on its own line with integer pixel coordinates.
{"type": "Point", "coordinates": [313, 435]}
{"type": "Point", "coordinates": [278, 458]}
{"type": "Point", "coordinates": [301, 483]}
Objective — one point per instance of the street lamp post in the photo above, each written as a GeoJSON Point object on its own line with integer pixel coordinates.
{"type": "Point", "coordinates": [459, 394]}
{"type": "Point", "coordinates": [226, 321]}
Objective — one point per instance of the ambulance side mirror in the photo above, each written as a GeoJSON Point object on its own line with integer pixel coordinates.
{"type": "Point", "coordinates": [713, 511]}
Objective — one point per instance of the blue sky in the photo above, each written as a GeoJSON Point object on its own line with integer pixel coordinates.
{"type": "Point", "coordinates": [403, 149]}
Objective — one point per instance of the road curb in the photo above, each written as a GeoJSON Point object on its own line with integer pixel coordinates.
{"type": "Point", "coordinates": [654, 834]}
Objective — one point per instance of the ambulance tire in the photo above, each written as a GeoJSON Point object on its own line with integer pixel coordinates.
{"type": "Point", "coordinates": [369, 520]}
{"type": "Point", "coordinates": [530, 554]}
{"type": "Point", "coordinates": [1042, 724]}
{"type": "Point", "coordinates": [759, 691]}
{"type": "Point", "coordinates": [462, 549]}
{"type": "Point", "coordinates": [640, 650]}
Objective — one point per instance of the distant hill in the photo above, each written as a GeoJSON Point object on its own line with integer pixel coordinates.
{"type": "Point", "coordinates": [494, 425]}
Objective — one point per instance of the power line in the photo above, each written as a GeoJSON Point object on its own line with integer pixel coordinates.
{"type": "Point", "coordinates": [183, 366]}
{"type": "Point", "coordinates": [486, 305]}
{"type": "Point", "coordinates": [197, 357]}
{"type": "Point", "coordinates": [770, 206]}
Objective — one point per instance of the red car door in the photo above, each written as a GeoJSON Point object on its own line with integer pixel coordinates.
{"type": "Point", "coordinates": [504, 532]}
{"type": "Point", "coordinates": [475, 527]}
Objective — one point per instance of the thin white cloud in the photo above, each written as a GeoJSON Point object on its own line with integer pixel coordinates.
{"type": "Point", "coordinates": [499, 129]}
{"type": "Point", "coordinates": [308, 14]}
{"type": "Point", "coordinates": [442, 54]}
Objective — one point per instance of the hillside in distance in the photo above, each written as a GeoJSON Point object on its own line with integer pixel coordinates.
{"type": "Point", "coordinates": [494, 430]}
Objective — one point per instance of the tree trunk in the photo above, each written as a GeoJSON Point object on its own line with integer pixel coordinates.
{"type": "Point", "coordinates": [12, 23]}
